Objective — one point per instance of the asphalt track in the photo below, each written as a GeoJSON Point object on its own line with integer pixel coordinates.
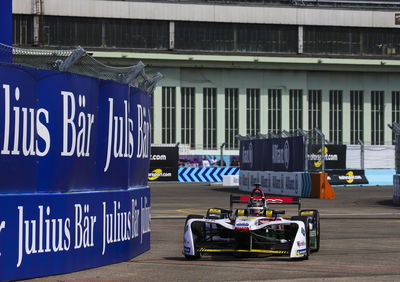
{"type": "Point", "coordinates": [360, 241]}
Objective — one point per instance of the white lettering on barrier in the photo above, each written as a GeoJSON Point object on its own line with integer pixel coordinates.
{"type": "Point", "coordinates": [143, 133]}
{"type": "Point", "coordinates": [120, 134]}
{"type": "Point", "coordinates": [80, 143]}
{"type": "Point", "coordinates": [42, 232]}
{"type": "Point", "coordinates": [32, 124]}
{"type": "Point", "coordinates": [120, 226]}
{"type": "Point", "coordinates": [26, 121]}
{"type": "Point", "coordinates": [42, 236]}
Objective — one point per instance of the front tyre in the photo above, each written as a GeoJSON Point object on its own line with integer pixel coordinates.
{"type": "Point", "coordinates": [197, 232]}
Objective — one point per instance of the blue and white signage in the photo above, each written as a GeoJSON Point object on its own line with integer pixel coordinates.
{"type": "Point", "coordinates": [47, 234]}
{"type": "Point", "coordinates": [68, 132]}
{"type": "Point", "coordinates": [275, 154]}
{"type": "Point", "coordinates": [74, 160]}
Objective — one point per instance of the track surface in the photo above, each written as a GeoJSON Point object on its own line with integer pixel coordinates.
{"type": "Point", "coordinates": [360, 241]}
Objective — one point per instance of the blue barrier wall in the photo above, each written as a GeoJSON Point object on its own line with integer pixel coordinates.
{"type": "Point", "coordinates": [6, 28]}
{"type": "Point", "coordinates": [74, 160]}
{"type": "Point", "coordinates": [67, 132]}
{"type": "Point", "coordinates": [46, 234]}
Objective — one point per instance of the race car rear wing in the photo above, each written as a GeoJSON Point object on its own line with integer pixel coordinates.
{"type": "Point", "coordinates": [270, 200]}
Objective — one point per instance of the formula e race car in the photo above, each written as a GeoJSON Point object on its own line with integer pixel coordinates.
{"type": "Point", "coordinates": [256, 230]}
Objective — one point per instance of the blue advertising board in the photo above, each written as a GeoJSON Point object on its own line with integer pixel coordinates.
{"type": "Point", "coordinates": [274, 154]}
{"type": "Point", "coordinates": [6, 28]}
{"type": "Point", "coordinates": [74, 161]}
{"type": "Point", "coordinates": [69, 132]}
{"type": "Point", "coordinates": [46, 234]}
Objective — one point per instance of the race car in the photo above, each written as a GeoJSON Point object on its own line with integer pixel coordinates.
{"type": "Point", "coordinates": [256, 230]}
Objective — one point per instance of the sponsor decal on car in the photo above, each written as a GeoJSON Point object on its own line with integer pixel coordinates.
{"type": "Point", "coordinates": [301, 243]}
{"type": "Point", "coordinates": [307, 212]}
{"type": "Point", "coordinates": [301, 252]}
{"type": "Point", "coordinates": [186, 249]}
{"type": "Point", "coordinates": [218, 211]}
{"type": "Point", "coordinates": [303, 231]}
{"type": "Point", "coordinates": [209, 220]}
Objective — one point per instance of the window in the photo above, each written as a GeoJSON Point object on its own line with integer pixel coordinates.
{"type": "Point", "coordinates": [72, 31]}
{"type": "Point", "coordinates": [253, 111]}
{"type": "Point", "coordinates": [351, 41]}
{"type": "Point", "coordinates": [210, 118]}
{"type": "Point", "coordinates": [336, 116]}
{"type": "Point", "coordinates": [395, 111]}
{"type": "Point", "coordinates": [231, 117]}
{"type": "Point", "coordinates": [187, 117]}
{"type": "Point", "coordinates": [230, 37]}
{"type": "Point", "coordinates": [168, 115]}
{"type": "Point", "coordinates": [295, 109]}
{"type": "Point", "coordinates": [356, 116]}
{"type": "Point", "coordinates": [274, 110]}
{"type": "Point", "coordinates": [132, 33]}
{"type": "Point", "coordinates": [377, 119]}
{"type": "Point", "coordinates": [314, 109]}
{"type": "Point", "coordinates": [22, 29]}
{"type": "Point", "coordinates": [331, 40]}
{"type": "Point", "coordinates": [97, 32]}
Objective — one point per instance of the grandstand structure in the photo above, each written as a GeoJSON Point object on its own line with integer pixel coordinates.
{"type": "Point", "coordinates": [240, 67]}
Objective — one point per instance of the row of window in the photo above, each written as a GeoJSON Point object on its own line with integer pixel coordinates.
{"type": "Point", "coordinates": [206, 36]}
{"type": "Point", "coordinates": [274, 113]}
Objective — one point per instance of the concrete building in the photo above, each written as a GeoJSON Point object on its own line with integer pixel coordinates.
{"type": "Point", "coordinates": [241, 67]}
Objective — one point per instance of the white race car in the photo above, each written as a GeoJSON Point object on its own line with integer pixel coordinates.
{"type": "Point", "coordinates": [255, 230]}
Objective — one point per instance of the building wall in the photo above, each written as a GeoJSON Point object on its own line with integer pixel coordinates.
{"type": "Point", "coordinates": [260, 14]}
{"type": "Point", "coordinates": [284, 80]}
{"type": "Point", "coordinates": [284, 48]}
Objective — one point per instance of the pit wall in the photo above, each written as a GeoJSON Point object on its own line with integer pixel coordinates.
{"type": "Point", "coordinates": [74, 160]}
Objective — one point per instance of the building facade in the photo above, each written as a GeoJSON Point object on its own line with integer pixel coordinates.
{"type": "Point", "coordinates": [241, 68]}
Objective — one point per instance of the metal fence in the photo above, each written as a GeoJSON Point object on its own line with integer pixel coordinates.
{"type": "Point", "coordinates": [80, 61]}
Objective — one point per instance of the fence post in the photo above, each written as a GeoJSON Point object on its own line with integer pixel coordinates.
{"type": "Point", "coordinates": [361, 153]}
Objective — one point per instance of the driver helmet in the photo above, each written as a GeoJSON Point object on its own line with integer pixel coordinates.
{"type": "Point", "coordinates": [255, 207]}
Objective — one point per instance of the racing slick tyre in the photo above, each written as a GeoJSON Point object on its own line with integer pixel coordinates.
{"type": "Point", "coordinates": [306, 222]}
{"type": "Point", "coordinates": [198, 230]}
{"type": "Point", "coordinates": [315, 219]}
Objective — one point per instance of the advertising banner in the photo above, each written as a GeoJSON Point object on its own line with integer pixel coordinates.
{"type": "Point", "coordinates": [164, 164]}
{"type": "Point", "coordinates": [335, 157]}
{"type": "Point", "coordinates": [6, 29]}
{"type": "Point", "coordinates": [68, 132]}
{"type": "Point", "coordinates": [346, 176]}
{"type": "Point", "coordinates": [275, 154]}
{"type": "Point", "coordinates": [46, 234]}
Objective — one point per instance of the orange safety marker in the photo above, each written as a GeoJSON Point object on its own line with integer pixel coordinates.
{"type": "Point", "coordinates": [320, 186]}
